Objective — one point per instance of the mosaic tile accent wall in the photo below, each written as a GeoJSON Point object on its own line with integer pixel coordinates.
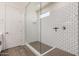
{"type": "Point", "coordinates": [63, 14]}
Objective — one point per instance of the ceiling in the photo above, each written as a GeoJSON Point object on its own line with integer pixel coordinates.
{"type": "Point", "coordinates": [19, 5]}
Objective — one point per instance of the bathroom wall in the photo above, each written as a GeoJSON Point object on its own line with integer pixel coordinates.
{"type": "Point", "coordinates": [14, 27]}
{"type": "Point", "coordinates": [61, 14]}
{"type": "Point", "coordinates": [13, 24]}
{"type": "Point", "coordinates": [2, 17]}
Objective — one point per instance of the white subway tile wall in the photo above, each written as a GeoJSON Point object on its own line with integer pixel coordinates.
{"type": "Point", "coordinates": [63, 14]}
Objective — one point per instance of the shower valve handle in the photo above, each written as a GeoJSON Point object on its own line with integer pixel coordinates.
{"type": "Point", "coordinates": [6, 33]}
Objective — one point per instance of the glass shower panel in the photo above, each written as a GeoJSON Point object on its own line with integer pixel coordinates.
{"type": "Point", "coordinates": [43, 47]}
{"type": "Point", "coordinates": [59, 28]}
{"type": "Point", "coordinates": [51, 27]}
{"type": "Point", "coordinates": [33, 25]}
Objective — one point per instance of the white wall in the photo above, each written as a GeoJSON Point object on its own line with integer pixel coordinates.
{"type": "Point", "coordinates": [61, 14]}
{"type": "Point", "coordinates": [2, 21]}
{"type": "Point", "coordinates": [2, 12]}
{"type": "Point", "coordinates": [13, 18]}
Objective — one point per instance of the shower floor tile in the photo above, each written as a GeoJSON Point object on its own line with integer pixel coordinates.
{"type": "Point", "coordinates": [40, 47]}
{"type": "Point", "coordinates": [58, 52]}
{"type": "Point", "coordinates": [17, 51]}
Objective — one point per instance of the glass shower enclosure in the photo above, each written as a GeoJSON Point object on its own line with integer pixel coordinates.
{"type": "Point", "coordinates": [51, 28]}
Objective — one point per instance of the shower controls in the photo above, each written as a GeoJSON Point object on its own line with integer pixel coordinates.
{"type": "Point", "coordinates": [64, 28]}
{"type": "Point", "coordinates": [56, 29]}
{"type": "Point", "coordinates": [6, 33]}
